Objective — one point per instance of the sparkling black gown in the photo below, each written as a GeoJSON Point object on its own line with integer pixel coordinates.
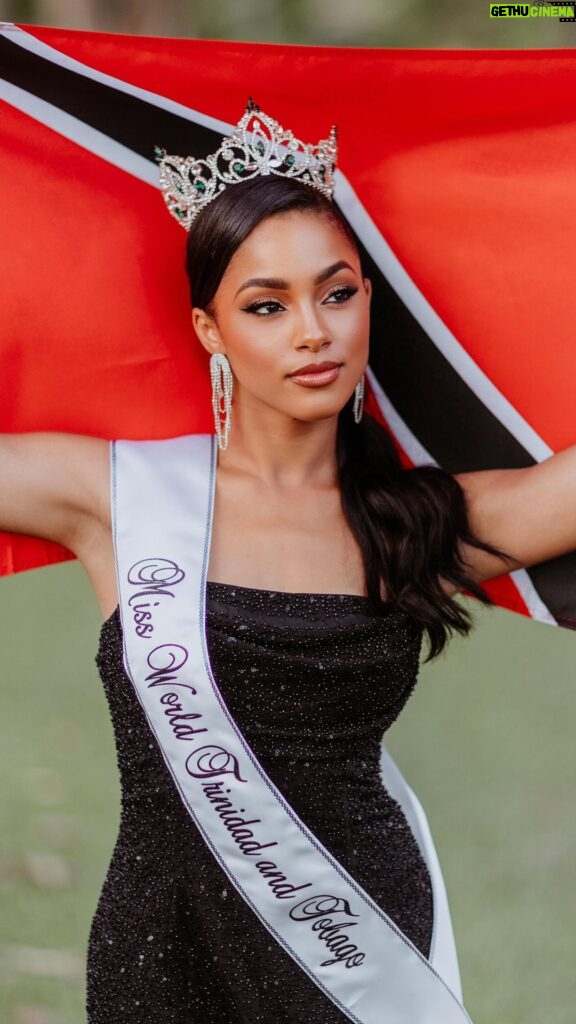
{"type": "Point", "coordinates": [313, 681]}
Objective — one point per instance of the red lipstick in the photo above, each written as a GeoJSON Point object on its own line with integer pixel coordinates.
{"type": "Point", "coordinates": [316, 374]}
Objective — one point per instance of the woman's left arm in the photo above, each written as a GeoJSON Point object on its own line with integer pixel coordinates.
{"type": "Point", "coordinates": [530, 514]}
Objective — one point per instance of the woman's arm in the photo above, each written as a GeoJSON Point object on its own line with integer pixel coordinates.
{"type": "Point", "coordinates": [53, 485]}
{"type": "Point", "coordinates": [528, 513]}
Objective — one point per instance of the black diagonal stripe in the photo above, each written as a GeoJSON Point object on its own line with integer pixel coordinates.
{"type": "Point", "coordinates": [136, 123]}
{"type": "Point", "coordinates": [438, 407]}
{"type": "Point", "coordinates": [442, 411]}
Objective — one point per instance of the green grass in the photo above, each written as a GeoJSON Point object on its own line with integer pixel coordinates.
{"type": "Point", "coordinates": [488, 744]}
{"type": "Point", "coordinates": [59, 786]}
{"type": "Point", "coordinates": [486, 740]}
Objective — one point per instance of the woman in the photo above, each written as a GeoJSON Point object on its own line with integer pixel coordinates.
{"type": "Point", "coordinates": [327, 563]}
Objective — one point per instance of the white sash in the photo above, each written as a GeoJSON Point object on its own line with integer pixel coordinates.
{"type": "Point", "coordinates": [162, 496]}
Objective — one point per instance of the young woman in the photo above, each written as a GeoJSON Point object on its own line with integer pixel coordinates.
{"type": "Point", "coordinates": [326, 564]}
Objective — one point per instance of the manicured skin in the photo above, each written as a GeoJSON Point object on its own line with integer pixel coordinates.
{"type": "Point", "coordinates": [292, 295]}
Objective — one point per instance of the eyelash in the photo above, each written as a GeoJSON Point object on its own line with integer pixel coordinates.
{"type": "Point", "coordinates": [347, 290]}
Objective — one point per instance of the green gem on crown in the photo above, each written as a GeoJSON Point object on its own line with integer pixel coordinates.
{"type": "Point", "coordinates": [199, 186]}
{"type": "Point", "coordinates": [237, 168]}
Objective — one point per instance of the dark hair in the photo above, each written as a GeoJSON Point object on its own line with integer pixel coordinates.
{"type": "Point", "coordinates": [409, 523]}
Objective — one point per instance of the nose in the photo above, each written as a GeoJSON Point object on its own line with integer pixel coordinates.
{"type": "Point", "coordinates": [311, 332]}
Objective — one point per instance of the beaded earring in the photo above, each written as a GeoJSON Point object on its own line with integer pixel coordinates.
{"type": "Point", "coordinates": [359, 400]}
{"type": "Point", "coordinates": [222, 384]}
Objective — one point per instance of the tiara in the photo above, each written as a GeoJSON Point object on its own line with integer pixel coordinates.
{"type": "Point", "coordinates": [259, 145]}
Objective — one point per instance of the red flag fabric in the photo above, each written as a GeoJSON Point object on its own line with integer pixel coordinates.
{"type": "Point", "coordinates": [456, 174]}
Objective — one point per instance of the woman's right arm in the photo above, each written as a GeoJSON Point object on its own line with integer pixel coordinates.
{"type": "Point", "coordinates": [54, 486]}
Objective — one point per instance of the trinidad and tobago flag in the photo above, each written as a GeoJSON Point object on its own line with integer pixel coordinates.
{"type": "Point", "coordinates": [457, 173]}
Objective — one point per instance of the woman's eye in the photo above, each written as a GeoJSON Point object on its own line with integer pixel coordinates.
{"type": "Point", "coordinates": [263, 308]}
{"type": "Point", "coordinates": [266, 307]}
{"type": "Point", "coordinates": [340, 295]}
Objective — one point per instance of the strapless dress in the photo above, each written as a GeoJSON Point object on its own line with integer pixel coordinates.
{"type": "Point", "coordinates": [313, 680]}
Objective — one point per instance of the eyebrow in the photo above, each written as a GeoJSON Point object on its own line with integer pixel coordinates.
{"type": "Point", "coordinates": [279, 284]}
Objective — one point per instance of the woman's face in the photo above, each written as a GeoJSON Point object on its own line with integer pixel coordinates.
{"type": "Point", "coordinates": [292, 297]}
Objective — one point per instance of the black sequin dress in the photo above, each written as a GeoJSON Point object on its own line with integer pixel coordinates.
{"type": "Point", "coordinates": [313, 681]}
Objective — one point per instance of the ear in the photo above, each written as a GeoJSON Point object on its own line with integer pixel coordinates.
{"type": "Point", "coordinates": [207, 331]}
{"type": "Point", "coordinates": [368, 287]}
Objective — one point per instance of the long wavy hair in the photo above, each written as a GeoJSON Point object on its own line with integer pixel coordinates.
{"type": "Point", "coordinates": [410, 524]}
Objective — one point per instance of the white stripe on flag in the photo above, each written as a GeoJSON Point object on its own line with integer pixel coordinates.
{"type": "Point", "coordinates": [531, 597]}
{"type": "Point", "coordinates": [415, 451]}
{"type": "Point", "coordinates": [81, 133]}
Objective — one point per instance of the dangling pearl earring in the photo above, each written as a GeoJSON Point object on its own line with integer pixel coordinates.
{"type": "Point", "coordinates": [222, 384]}
{"type": "Point", "coordinates": [359, 400]}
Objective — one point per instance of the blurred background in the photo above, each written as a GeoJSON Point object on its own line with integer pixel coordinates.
{"type": "Point", "coordinates": [487, 739]}
{"type": "Point", "coordinates": [420, 23]}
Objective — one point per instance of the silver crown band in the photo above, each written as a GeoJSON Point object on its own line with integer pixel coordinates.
{"type": "Point", "coordinates": [258, 146]}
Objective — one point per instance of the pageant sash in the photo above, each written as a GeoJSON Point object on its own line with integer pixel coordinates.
{"type": "Point", "coordinates": [162, 496]}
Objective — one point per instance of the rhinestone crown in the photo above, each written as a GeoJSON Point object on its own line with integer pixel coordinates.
{"type": "Point", "coordinates": [259, 145]}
